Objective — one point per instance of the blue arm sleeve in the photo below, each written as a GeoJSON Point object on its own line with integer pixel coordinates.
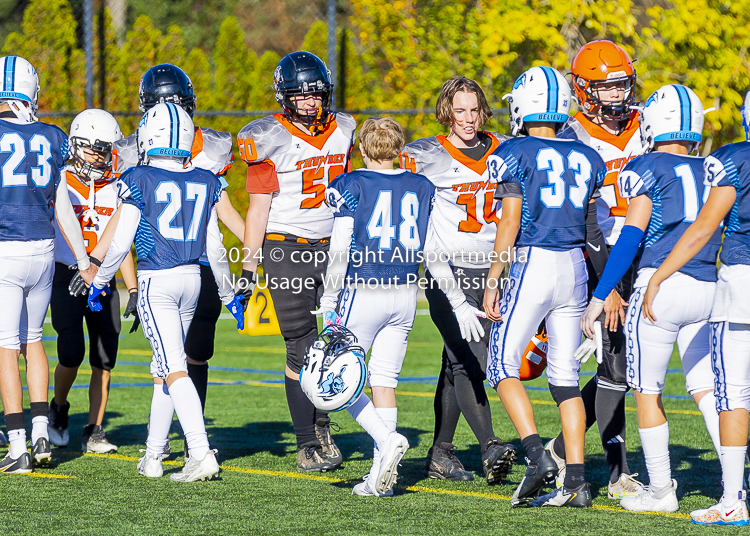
{"type": "Point", "coordinates": [620, 258]}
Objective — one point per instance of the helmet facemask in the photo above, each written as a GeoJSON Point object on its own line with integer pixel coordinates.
{"type": "Point", "coordinates": [313, 118]}
{"type": "Point", "coordinates": [92, 161]}
{"type": "Point", "coordinates": [587, 93]}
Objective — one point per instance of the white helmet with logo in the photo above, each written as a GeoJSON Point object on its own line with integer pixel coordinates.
{"type": "Point", "coordinates": [92, 134]}
{"type": "Point", "coordinates": [541, 94]}
{"type": "Point", "coordinates": [165, 130]}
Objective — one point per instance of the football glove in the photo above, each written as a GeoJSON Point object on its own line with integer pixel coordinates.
{"type": "Point", "coordinates": [330, 317]}
{"type": "Point", "coordinates": [77, 286]}
{"type": "Point", "coordinates": [94, 296]}
{"type": "Point", "coordinates": [468, 321]}
{"type": "Point", "coordinates": [238, 311]}
{"type": "Point", "coordinates": [591, 346]}
{"type": "Point", "coordinates": [132, 309]}
{"type": "Point", "coordinates": [246, 286]}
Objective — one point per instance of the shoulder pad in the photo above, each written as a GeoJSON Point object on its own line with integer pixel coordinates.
{"type": "Point", "coordinates": [426, 157]}
{"type": "Point", "coordinates": [263, 138]}
{"type": "Point", "coordinates": [124, 154]}
{"type": "Point", "coordinates": [500, 137]}
{"type": "Point", "coordinates": [573, 130]}
{"type": "Point", "coordinates": [217, 148]}
{"type": "Point", "coordinates": [346, 123]}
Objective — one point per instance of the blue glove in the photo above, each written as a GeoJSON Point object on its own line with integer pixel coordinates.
{"type": "Point", "coordinates": [331, 318]}
{"type": "Point", "coordinates": [238, 312]}
{"type": "Point", "coordinates": [94, 294]}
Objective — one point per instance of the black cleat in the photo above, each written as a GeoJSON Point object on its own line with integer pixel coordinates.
{"type": "Point", "coordinates": [443, 464]}
{"type": "Point", "coordinates": [22, 464]}
{"type": "Point", "coordinates": [41, 452]}
{"type": "Point", "coordinates": [575, 498]}
{"type": "Point", "coordinates": [497, 460]}
{"type": "Point", "coordinates": [323, 432]}
{"type": "Point", "coordinates": [537, 475]}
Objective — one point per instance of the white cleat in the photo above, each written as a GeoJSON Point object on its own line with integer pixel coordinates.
{"type": "Point", "coordinates": [204, 469]}
{"type": "Point", "coordinates": [364, 489]}
{"type": "Point", "coordinates": [626, 486]}
{"type": "Point", "coordinates": [719, 515]}
{"type": "Point", "coordinates": [560, 478]}
{"type": "Point", "coordinates": [390, 455]}
{"type": "Point", "coordinates": [653, 500]}
{"type": "Point", "coordinates": [150, 466]}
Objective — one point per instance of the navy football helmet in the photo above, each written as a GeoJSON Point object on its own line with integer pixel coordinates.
{"type": "Point", "coordinates": [166, 83]}
{"type": "Point", "coordinates": [301, 74]}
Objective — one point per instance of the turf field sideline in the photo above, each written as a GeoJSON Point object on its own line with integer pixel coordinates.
{"type": "Point", "coordinates": [261, 493]}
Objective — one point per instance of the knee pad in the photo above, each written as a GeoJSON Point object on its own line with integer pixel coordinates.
{"type": "Point", "coordinates": [560, 393]}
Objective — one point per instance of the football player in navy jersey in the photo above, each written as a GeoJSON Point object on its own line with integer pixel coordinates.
{"type": "Point", "coordinates": [727, 174]}
{"type": "Point", "coordinates": [665, 196]}
{"type": "Point", "coordinates": [168, 209]}
{"type": "Point", "coordinates": [546, 185]}
{"type": "Point", "coordinates": [379, 233]}
{"type": "Point", "coordinates": [31, 183]}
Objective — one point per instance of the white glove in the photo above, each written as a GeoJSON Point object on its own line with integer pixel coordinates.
{"type": "Point", "coordinates": [591, 346]}
{"type": "Point", "coordinates": [471, 327]}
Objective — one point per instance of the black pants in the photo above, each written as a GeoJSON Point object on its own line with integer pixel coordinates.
{"type": "Point", "coordinates": [68, 313]}
{"type": "Point", "coordinates": [199, 341]}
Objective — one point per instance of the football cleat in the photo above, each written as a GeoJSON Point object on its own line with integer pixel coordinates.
{"type": "Point", "coordinates": [560, 478]}
{"type": "Point", "coordinates": [58, 424]}
{"type": "Point", "coordinates": [41, 452]}
{"type": "Point", "coordinates": [366, 490]}
{"type": "Point", "coordinates": [150, 466]}
{"type": "Point", "coordinates": [443, 464]}
{"type": "Point", "coordinates": [497, 460]}
{"type": "Point", "coordinates": [393, 450]}
{"type": "Point", "coordinates": [575, 498]}
{"type": "Point", "coordinates": [626, 486]}
{"type": "Point", "coordinates": [310, 458]}
{"type": "Point", "coordinates": [3, 440]}
{"type": "Point", "coordinates": [205, 469]}
{"type": "Point", "coordinates": [94, 440]}
{"type": "Point", "coordinates": [718, 514]}
{"type": "Point", "coordinates": [22, 464]}
{"type": "Point", "coordinates": [653, 500]}
{"type": "Point", "coordinates": [537, 475]}
{"type": "Point", "coordinates": [323, 432]}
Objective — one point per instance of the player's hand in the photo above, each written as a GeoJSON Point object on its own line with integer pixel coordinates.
{"type": "Point", "coordinates": [246, 286]}
{"type": "Point", "coordinates": [238, 311]}
{"type": "Point", "coordinates": [614, 310]}
{"type": "Point", "coordinates": [470, 326]}
{"type": "Point", "coordinates": [590, 315]}
{"type": "Point", "coordinates": [77, 286]}
{"type": "Point", "coordinates": [648, 300]}
{"type": "Point", "coordinates": [591, 346]}
{"type": "Point", "coordinates": [94, 296]}
{"type": "Point", "coordinates": [89, 273]}
{"type": "Point", "coordinates": [132, 307]}
{"type": "Point", "coordinates": [492, 303]}
{"type": "Point", "coordinates": [330, 317]}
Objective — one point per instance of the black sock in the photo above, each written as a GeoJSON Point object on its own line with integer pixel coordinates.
{"type": "Point", "coordinates": [446, 408]}
{"type": "Point", "coordinates": [302, 412]}
{"type": "Point", "coordinates": [575, 476]}
{"type": "Point", "coordinates": [199, 375]}
{"type": "Point", "coordinates": [39, 409]}
{"type": "Point", "coordinates": [610, 413]}
{"type": "Point", "coordinates": [588, 394]}
{"type": "Point", "coordinates": [532, 444]}
{"type": "Point", "coordinates": [14, 421]}
{"type": "Point", "coordinates": [473, 403]}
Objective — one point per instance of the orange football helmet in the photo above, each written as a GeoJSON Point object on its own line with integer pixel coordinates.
{"type": "Point", "coordinates": [603, 63]}
{"type": "Point", "coordinates": [534, 359]}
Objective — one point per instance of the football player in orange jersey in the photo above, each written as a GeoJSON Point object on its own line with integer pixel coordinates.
{"type": "Point", "coordinates": [292, 156]}
{"type": "Point", "coordinates": [604, 84]}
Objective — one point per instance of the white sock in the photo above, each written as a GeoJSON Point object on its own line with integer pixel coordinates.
{"type": "Point", "coordinates": [17, 440]}
{"type": "Point", "coordinates": [390, 418]}
{"type": "Point", "coordinates": [732, 472]}
{"type": "Point", "coordinates": [365, 414]}
{"type": "Point", "coordinates": [187, 405]}
{"type": "Point", "coordinates": [707, 407]}
{"type": "Point", "coordinates": [160, 421]}
{"type": "Point", "coordinates": [39, 428]}
{"type": "Point", "coordinates": [655, 442]}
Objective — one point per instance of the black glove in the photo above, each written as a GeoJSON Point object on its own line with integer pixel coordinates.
{"type": "Point", "coordinates": [245, 286]}
{"type": "Point", "coordinates": [132, 309]}
{"type": "Point", "coordinates": [77, 286]}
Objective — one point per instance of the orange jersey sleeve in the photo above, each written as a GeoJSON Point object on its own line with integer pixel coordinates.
{"type": "Point", "coordinates": [262, 178]}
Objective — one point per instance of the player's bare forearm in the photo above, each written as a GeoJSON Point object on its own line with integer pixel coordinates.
{"type": "Point", "coordinates": [255, 228]}
{"type": "Point", "coordinates": [105, 240]}
{"type": "Point", "coordinates": [230, 217]}
{"type": "Point", "coordinates": [127, 268]}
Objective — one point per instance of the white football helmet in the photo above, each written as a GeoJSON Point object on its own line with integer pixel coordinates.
{"type": "Point", "coordinates": [92, 133]}
{"type": "Point", "coordinates": [746, 116]}
{"type": "Point", "coordinates": [165, 130]}
{"type": "Point", "coordinates": [672, 113]}
{"type": "Point", "coordinates": [20, 81]}
{"type": "Point", "coordinates": [541, 94]}
{"type": "Point", "coordinates": [333, 371]}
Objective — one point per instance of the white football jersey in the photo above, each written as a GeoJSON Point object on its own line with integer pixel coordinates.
{"type": "Point", "coordinates": [616, 151]}
{"type": "Point", "coordinates": [464, 213]}
{"type": "Point", "coordinates": [304, 166]}
{"type": "Point", "coordinates": [212, 151]}
{"type": "Point", "coordinates": [106, 202]}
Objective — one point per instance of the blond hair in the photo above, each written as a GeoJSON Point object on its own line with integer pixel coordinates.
{"type": "Point", "coordinates": [381, 138]}
{"type": "Point", "coordinates": [444, 106]}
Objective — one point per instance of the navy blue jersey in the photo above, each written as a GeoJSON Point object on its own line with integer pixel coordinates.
{"type": "Point", "coordinates": [730, 166]}
{"type": "Point", "coordinates": [557, 178]}
{"type": "Point", "coordinates": [175, 209]}
{"type": "Point", "coordinates": [31, 157]}
{"type": "Point", "coordinates": [674, 183]}
{"type": "Point", "coordinates": [391, 211]}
